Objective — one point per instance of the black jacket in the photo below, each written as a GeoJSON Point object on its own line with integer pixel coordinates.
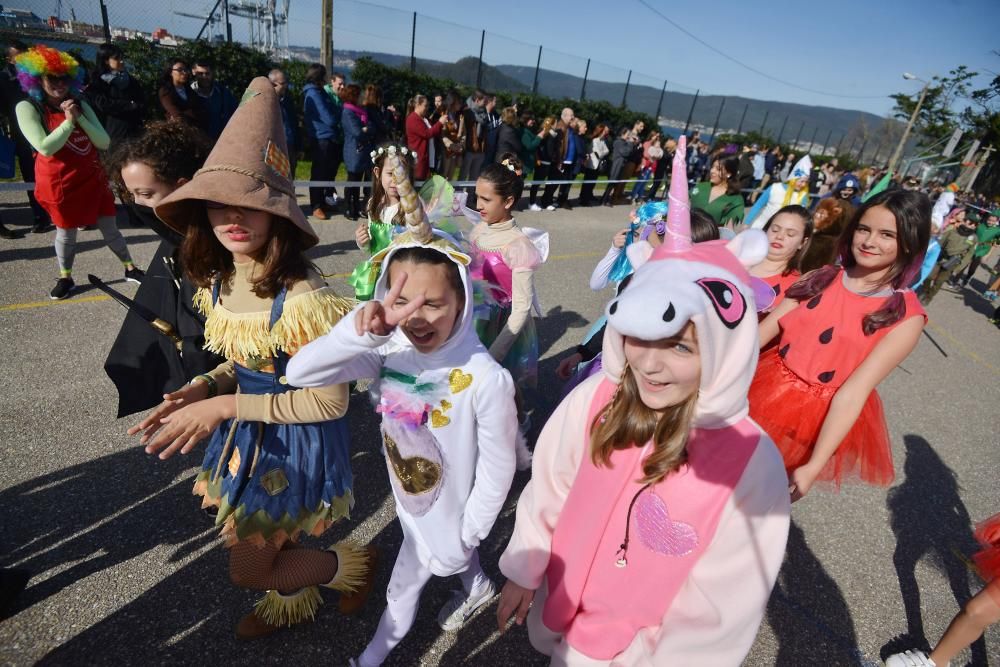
{"type": "Point", "coordinates": [508, 141]}
{"type": "Point", "coordinates": [120, 108]}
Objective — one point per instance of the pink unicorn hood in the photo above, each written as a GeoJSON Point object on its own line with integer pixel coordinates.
{"type": "Point", "coordinates": [707, 284]}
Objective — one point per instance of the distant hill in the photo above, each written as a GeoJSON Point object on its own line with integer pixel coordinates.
{"type": "Point", "coordinates": [675, 109]}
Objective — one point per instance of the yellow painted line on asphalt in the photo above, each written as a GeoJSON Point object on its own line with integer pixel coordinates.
{"type": "Point", "coordinates": [102, 297]}
{"type": "Point", "coordinates": [50, 302]}
{"type": "Point", "coordinates": [962, 348]}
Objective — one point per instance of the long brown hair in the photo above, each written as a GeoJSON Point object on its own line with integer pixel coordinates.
{"type": "Point", "coordinates": [628, 422]}
{"type": "Point", "coordinates": [912, 211]}
{"type": "Point", "coordinates": [795, 263]}
{"type": "Point", "coordinates": [283, 257]}
{"type": "Point", "coordinates": [378, 200]}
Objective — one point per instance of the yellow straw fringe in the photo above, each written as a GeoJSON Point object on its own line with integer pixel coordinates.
{"type": "Point", "coordinates": [277, 609]}
{"type": "Point", "coordinates": [304, 318]}
{"type": "Point", "coordinates": [352, 567]}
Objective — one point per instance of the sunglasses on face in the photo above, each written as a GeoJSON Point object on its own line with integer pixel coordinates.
{"type": "Point", "coordinates": [183, 70]}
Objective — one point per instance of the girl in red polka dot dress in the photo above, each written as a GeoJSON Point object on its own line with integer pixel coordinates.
{"type": "Point", "coordinates": [840, 331]}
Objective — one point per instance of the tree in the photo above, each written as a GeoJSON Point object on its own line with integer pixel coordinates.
{"type": "Point", "coordinates": [937, 118]}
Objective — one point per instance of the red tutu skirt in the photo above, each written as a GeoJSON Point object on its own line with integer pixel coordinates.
{"type": "Point", "coordinates": [987, 560]}
{"type": "Point", "coordinates": [791, 411]}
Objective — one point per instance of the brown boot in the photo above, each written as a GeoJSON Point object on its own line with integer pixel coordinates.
{"type": "Point", "coordinates": [351, 603]}
{"type": "Point", "coordinates": [253, 627]}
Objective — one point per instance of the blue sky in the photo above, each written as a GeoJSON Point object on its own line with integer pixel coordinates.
{"type": "Point", "coordinates": [849, 48]}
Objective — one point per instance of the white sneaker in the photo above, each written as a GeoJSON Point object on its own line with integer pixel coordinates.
{"type": "Point", "coordinates": [331, 200]}
{"type": "Point", "coordinates": [912, 658]}
{"type": "Point", "coordinates": [460, 607]}
{"type": "Point", "coordinates": [550, 207]}
{"type": "Point", "coordinates": [535, 207]}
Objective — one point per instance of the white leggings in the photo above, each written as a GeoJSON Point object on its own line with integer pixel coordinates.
{"type": "Point", "coordinates": [409, 576]}
{"type": "Point", "coordinates": [66, 243]}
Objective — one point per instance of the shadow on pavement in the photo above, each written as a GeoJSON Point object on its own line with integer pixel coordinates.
{"type": "Point", "coordinates": [83, 244]}
{"type": "Point", "coordinates": [930, 521]}
{"type": "Point", "coordinates": [807, 611]}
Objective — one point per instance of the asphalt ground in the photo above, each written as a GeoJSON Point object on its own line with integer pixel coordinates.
{"type": "Point", "coordinates": [127, 570]}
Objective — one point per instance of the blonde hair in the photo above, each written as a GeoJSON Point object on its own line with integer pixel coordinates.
{"type": "Point", "coordinates": [627, 422]}
{"type": "Point", "coordinates": [509, 116]}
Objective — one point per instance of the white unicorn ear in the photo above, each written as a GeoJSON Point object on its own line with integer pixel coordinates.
{"type": "Point", "coordinates": [638, 253]}
{"type": "Point", "coordinates": [749, 246]}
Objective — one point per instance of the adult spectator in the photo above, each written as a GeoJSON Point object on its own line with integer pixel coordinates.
{"type": "Point", "coordinates": [759, 165]}
{"type": "Point", "coordinates": [664, 168]}
{"type": "Point", "coordinates": [634, 158]}
{"type": "Point", "coordinates": [379, 117]}
{"type": "Point", "coordinates": [218, 104]}
{"type": "Point", "coordinates": [620, 151]}
{"type": "Point", "coordinates": [943, 205]}
{"type": "Point", "coordinates": [562, 147]}
{"type": "Point", "coordinates": [596, 153]}
{"type": "Point", "coordinates": [492, 129]}
{"type": "Point", "coordinates": [357, 146]}
{"type": "Point", "coordinates": [452, 135]}
{"type": "Point", "coordinates": [322, 125]}
{"type": "Point", "coordinates": [437, 111]}
{"type": "Point", "coordinates": [289, 116]}
{"type": "Point", "coordinates": [420, 135]}
{"type": "Point", "coordinates": [529, 143]}
{"type": "Point", "coordinates": [508, 134]}
{"type": "Point", "coordinates": [12, 94]}
{"type": "Point", "coordinates": [476, 128]}
{"type": "Point", "coordinates": [178, 102]}
{"type": "Point", "coordinates": [334, 88]}
{"type": "Point", "coordinates": [720, 197]}
{"type": "Point", "coordinates": [543, 161]}
{"type": "Point", "coordinates": [116, 96]}
{"type": "Point", "coordinates": [652, 153]}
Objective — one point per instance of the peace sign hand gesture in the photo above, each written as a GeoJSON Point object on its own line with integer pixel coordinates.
{"type": "Point", "coordinates": [381, 317]}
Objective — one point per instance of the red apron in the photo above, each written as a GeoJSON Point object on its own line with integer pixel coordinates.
{"type": "Point", "coordinates": [71, 185]}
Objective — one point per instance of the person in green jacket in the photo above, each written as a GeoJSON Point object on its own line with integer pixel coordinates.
{"type": "Point", "coordinates": [720, 197]}
{"type": "Point", "coordinates": [530, 139]}
{"type": "Point", "coordinates": [958, 243]}
{"type": "Point", "coordinates": [987, 235]}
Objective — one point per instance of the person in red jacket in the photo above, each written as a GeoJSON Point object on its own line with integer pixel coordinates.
{"type": "Point", "coordinates": [420, 135]}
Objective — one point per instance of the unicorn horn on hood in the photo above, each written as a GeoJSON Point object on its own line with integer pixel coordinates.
{"type": "Point", "coordinates": [417, 223]}
{"type": "Point", "coordinates": [678, 236]}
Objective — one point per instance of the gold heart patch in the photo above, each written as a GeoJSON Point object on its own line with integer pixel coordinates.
{"type": "Point", "coordinates": [459, 381]}
{"type": "Point", "coordinates": [439, 419]}
{"type": "Point", "coordinates": [445, 405]}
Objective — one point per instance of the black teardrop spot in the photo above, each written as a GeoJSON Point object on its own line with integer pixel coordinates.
{"type": "Point", "coordinates": [669, 314]}
{"type": "Point", "coordinates": [826, 377]}
{"type": "Point", "coordinates": [783, 351]}
{"type": "Point", "coordinates": [826, 336]}
{"type": "Point", "coordinates": [613, 308]}
{"type": "Point", "coordinates": [813, 302]}
{"type": "Point", "coordinates": [777, 290]}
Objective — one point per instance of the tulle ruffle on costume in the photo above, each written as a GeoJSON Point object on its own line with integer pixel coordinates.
{"type": "Point", "coordinates": [791, 411]}
{"type": "Point", "coordinates": [366, 273]}
{"type": "Point", "coordinates": [522, 358]}
{"type": "Point", "coordinates": [988, 559]}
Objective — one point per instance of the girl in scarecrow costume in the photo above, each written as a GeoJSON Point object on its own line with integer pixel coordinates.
{"type": "Point", "coordinates": [653, 496]}
{"type": "Point", "coordinates": [277, 463]}
{"type": "Point", "coordinates": [448, 417]}
{"type": "Point", "coordinates": [70, 182]}
{"type": "Point", "coordinates": [779, 195]}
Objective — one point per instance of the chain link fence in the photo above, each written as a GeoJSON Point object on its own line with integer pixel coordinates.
{"type": "Point", "coordinates": [291, 30]}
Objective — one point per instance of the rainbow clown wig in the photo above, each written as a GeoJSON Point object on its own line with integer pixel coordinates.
{"type": "Point", "coordinates": [40, 61]}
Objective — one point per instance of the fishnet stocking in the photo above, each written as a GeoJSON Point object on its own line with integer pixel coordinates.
{"type": "Point", "coordinates": [285, 569]}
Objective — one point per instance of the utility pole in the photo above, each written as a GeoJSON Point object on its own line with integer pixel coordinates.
{"type": "Point", "coordinates": [979, 166]}
{"type": "Point", "coordinates": [813, 140]}
{"type": "Point", "coordinates": [781, 132]}
{"type": "Point", "coordinates": [909, 126]}
{"type": "Point", "coordinates": [583, 88]}
{"type": "Point", "coordinates": [795, 144]}
{"type": "Point", "coordinates": [413, 45]}
{"type": "Point", "coordinates": [767, 112]}
{"type": "Point", "coordinates": [839, 145]}
{"type": "Point", "coordinates": [826, 144]}
{"type": "Point", "coordinates": [229, 26]}
{"type": "Point", "coordinates": [325, 37]}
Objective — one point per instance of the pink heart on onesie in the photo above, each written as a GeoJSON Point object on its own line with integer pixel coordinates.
{"type": "Point", "coordinates": [658, 532]}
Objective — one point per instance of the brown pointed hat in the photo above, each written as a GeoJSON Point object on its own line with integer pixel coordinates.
{"type": "Point", "coordinates": [248, 167]}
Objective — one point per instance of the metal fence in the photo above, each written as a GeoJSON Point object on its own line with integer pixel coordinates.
{"type": "Point", "coordinates": [432, 45]}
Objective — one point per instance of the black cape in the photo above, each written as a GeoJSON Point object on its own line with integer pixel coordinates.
{"type": "Point", "coordinates": [143, 363]}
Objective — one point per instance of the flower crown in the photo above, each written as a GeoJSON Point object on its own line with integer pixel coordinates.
{"type": "Point", "coordinates": [389, 150]}
{"type": "Point", "coordinates": [510, 165]}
